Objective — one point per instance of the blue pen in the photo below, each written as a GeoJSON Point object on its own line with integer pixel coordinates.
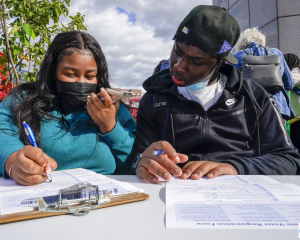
{"type": "Point", "coordinates": [157, 152]}
{"type": "Point", "coordinates": [30, 134]}
{"type": "Point", "coordinates": [32, 141]}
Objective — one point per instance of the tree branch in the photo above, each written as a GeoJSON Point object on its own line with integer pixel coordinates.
{"type": "Point", "coordinates": [7, 43]}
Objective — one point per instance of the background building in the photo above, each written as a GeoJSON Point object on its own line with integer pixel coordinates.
{"type": "Point", "coordinates": [279, 20]}
{"type": "Point", "coordinates": [129, 93]}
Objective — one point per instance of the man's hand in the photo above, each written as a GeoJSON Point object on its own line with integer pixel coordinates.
{"type": "Point", "coordinates": [196, 170]}
{"type": "Point", "coordinates": [151, 166]}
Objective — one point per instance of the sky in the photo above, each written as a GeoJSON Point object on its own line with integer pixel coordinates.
{"type": "Point", "coordinates": [133, 34]}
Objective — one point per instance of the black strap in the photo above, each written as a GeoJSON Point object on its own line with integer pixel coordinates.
{"type": "Point", "coordinates": [256, 118]}
{"type": "Point", "coordinates": [267, 52]}
{"type": "Point", "coordinates": [248, 53]}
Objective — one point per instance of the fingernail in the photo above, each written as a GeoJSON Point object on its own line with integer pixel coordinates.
{"type": "Point", "coordinates": [177, 171]}
{"type": "Point", "coordinates": [49, 178]}
{"type": "Point", "coordinates": [154, 179]}
{"type": "Point", "coordinates": [44, 165]}
{"type": "Point", "coordinates": [49, 170]}
{"type": "Point", "coordinates": [166, 175]}
{"type": "Point", "coordinates": [195, 175]}
{"type": "Point", "coordinates": [184, 175]}
{"type": "Point", "coordinates": [102, 89]}
{"type": "Point", "coordinates": [177, 159]}
{"type": "Point", "coordinates": [210, 175]}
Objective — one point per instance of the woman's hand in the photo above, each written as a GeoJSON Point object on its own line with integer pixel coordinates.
{"type": "Point", "coordinates": [103, 113]}
{"type": "Point", "coordinates": [196, 170]}
{"type": "Point", "coordinates": [150, 166]}
{"type": "Point", "coordinates": [29, 165]}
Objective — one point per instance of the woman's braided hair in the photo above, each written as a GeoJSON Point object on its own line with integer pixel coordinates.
{"type": "Point", "coordinates": [292, 60]}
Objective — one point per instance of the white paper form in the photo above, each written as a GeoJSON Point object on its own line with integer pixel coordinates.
{"type": "Point", "coordinates": [11, 193]}
{"type": "Point", "coordinates": [254, 202]}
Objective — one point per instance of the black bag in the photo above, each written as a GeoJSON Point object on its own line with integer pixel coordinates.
{"type": "Point", "coordinates": [264, 70]}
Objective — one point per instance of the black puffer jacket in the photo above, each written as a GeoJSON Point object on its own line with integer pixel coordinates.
{"type": "Point", "coordinates": [243, 128]}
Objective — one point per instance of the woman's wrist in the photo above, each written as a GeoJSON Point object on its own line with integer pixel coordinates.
{"type": "Point", "coordinates": [9, 164]}
{"type": "Point", "coordinates": [9, 171]}
{"type": "Point", "coordinates": [107, 128]}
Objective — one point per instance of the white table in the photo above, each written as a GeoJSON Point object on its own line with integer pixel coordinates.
{"type": "Point", "coordinates": [140, 220]}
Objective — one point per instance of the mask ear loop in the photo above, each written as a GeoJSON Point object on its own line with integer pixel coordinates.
{"type": "Point", "coordinates": [216, 68]}
{"type": "Point", "coordinates": [218, 65]}
{"type": "Point", "coordinates": [212, 73]}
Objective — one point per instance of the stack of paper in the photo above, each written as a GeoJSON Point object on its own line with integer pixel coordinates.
{"type": "Point", "coordinates": [11, 193]}
{"type": "Point", "coordinates": [232, 202]}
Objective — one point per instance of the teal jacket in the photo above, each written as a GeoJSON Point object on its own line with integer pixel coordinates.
{"type": "Point", "coordinates": [83, 146]}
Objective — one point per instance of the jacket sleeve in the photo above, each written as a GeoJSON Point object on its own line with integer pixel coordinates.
{"type": "Point", "coordinates": [147, 129]}
{"type": "Point", "coordinates": [278, 155]}
{"type": "Point", "coordinates": [121, 139]}
{"type": "Point", "coordinates": [9, 136]}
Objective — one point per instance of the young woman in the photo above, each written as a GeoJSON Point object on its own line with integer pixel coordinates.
{"type": "Point", "coordinates": [72, 126]}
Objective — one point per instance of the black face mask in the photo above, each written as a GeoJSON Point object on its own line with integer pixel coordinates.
{"type": "Point", "coordinates": [73, 95]}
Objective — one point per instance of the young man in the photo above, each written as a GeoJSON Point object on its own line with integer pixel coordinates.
{"type": "Point", "coordinates": [203, 115]}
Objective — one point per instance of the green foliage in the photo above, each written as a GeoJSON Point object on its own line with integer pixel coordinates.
{"type": "Point", "coordinates": [31, 24]}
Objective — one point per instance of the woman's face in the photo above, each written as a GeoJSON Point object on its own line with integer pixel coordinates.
{"type": "Point", "coordinates": [77, 67]}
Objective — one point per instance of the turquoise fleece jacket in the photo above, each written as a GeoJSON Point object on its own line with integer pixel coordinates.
{"type": "Point", "coordinates": [83, 146]}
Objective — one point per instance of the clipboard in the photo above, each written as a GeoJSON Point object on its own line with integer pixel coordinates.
{"type": "Point", "coordinates": [21, 216]}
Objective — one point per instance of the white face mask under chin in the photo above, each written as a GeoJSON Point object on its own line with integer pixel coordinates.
{"type": "Point", "coordinates": [203, 84]}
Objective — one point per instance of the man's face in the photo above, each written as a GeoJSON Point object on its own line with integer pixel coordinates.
{"type": "Point", "coordinates": [189, 64]}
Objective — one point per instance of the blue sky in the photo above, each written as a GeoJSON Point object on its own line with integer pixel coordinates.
{"type": "Point", "coordinates": [131, 15]}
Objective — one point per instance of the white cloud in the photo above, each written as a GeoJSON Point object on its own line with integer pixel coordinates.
{"type": "Point", "coordinates": [133, 49]}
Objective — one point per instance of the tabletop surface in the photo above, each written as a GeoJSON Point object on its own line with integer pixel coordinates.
{"type": "Point", "coordinates": [139, 220]}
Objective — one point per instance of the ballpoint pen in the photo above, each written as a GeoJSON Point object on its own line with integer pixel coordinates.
{"type": "Point", "coordinates": [157, 152]}
{"type": "Point", "coordinates": [32, 141]}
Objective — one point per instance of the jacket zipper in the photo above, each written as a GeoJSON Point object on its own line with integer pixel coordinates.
{"type": "Point", "coordinates": [204, 134]}
{"type": "Point", "coordinates": [205, 119]}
